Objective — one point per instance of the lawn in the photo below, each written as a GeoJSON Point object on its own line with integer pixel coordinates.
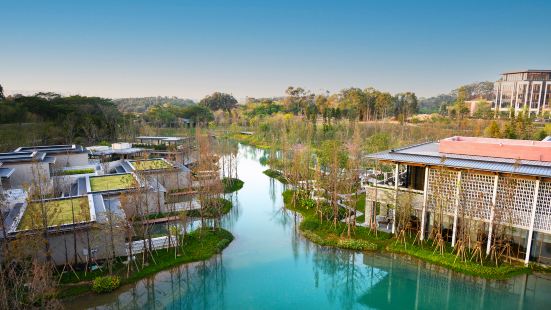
{"type": "Point", "coordinates": [112, 182]}
{"type": "Point", "coordinates": [153, 164]}
{"type": "Point", "coordinates": [58, 212]}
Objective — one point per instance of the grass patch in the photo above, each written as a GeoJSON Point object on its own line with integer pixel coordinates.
{"type": "Point", "coordinates": [448, 260]}
{"type": "Point", "coordinates": [112, 182]}
{"type": "Point", "coordinates": [152, 164]}
{"type": "Point", "coordinates": [232, 185]}
{"type": "Point", "coordinates": [198, 245]}
{"type": "Point", "coordinates": [58, 212]}
{"type": "Point", "coordinates": [77, 171]}
{"type": "Point", "coordinates": [272, 173]}
{"type": "Point", "coordinates": [214, 208]}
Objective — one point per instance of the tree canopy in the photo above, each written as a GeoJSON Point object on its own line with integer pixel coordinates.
{"type": "Point", "coordinates": [90, 118]}
{"type": "Point", "coordinates": [219, 101]}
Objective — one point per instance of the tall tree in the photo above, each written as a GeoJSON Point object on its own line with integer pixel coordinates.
{"type": "Point", "coordinates": [2, 97]}
{"type": "Point", "coordinates": [219, 101]}
{"type": "Point", "coordinates": [405, 105]}
{"type": "Point", "coordinates": [383, 104]}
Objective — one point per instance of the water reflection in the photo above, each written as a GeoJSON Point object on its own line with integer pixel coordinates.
{"type": "Point", "coordinates": [270, 265]}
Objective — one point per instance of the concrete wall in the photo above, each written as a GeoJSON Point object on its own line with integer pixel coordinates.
{"type": "Point", "coordinates": [23, 174]}
{"type": "Point", "coordinates": [70, 159]}
{"type": "Point", "coordinates": [173, 180]}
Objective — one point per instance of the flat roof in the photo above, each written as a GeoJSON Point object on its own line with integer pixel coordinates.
{"type": "Point", "coordinates": [150, 164]}
{"type": "Point", "coordinates": [14, 157]}
{"type": "Point", "coordinates": [161, 138]}
{"type": "Point", "coordinates": [498, 148]}
{"type": "Point", "coordinates": [110, 151]}
{"type": "Point", "coordinates": [60, 212]}
{"type": "Point", "coordinates": [527, 71]}
{"type": "Point", "coordinates": [112, 182]}
{"type": "Point", "coordinates": [52, 149]}
{"type": "Point", "coordinates": [6, 172]}
{"type": "Point", "coordinates": [429, 154]}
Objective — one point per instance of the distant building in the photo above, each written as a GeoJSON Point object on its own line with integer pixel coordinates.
{"type": "Point", "coordinates": [530, 89]}
{"type": "Point", "coordinates": [155, 140]}
{"type": "Point", "coordinates": [493, 182]}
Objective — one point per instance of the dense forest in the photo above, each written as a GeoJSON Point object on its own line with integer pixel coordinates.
{"type": "Point", "coordinates": [48, 118]}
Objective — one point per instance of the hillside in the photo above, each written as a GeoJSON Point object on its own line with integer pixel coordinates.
{"type": "Point", "coordinates": [474, 90]}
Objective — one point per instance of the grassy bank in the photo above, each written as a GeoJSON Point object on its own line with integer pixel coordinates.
{"type": "Point", "coordinates": [449, 260]}
{"type": "Point", "coordinates": [272, 173]}
{"type": "Point", "coordinates": [327, 234]}
{"type": "Point", "coordinates": [249, 140]}
{"type": "Point", "coordinates": [197, 246]}
{"type": "Point", "coordinates": [324, 232]}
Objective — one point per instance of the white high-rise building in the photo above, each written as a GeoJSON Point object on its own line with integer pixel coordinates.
{"type": "Point", "coordinates": [530, 89]}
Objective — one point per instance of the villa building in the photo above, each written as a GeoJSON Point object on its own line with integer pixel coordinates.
{"type": "Point", "coordinates": [500, 187]}
{"type": "Point", "coordinates": [27, 164]}
{"type": "Point", "coordinates": [528, 89]}
{"type": "Point", "coordinates": [80, 195]}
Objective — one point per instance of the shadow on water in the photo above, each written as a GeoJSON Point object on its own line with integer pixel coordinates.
{"type": "Point", "coordinates": [270, 265]}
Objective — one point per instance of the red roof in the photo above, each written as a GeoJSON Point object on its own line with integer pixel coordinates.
{"type": "Point", "coordinates": [500, 148]}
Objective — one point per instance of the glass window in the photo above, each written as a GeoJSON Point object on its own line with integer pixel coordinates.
{"type": "Point", "coordinates": [536, 95]}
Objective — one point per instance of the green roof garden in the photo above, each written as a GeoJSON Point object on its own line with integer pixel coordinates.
{"type": "Point", "coordinates": [59, 212]}
{"type": "Point", "coordinates": [152, 164]}
{"type": "Point", "coordinates": [112, 182]}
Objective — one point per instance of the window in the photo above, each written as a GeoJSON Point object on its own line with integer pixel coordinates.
{"type": "Point", "coordinates": [415, 177]}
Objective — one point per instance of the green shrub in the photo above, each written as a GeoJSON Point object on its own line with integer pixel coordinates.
{"type": "Point", "coordinates": [105, 284]}
{"type": "Point", "coordinates": [77, 171]}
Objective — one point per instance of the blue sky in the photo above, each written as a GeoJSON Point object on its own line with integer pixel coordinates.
{"type": "Point", "coordinates": [258, 48]}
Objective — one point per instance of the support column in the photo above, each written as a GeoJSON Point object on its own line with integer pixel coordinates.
{"type": "Point", "coordinates": [492, 214]}
{"type": "Point", "coordinates": [457, 191]}
{"type": "Point", "coordinates": [396, 177]}
{"type": "Point", "coordinates": [532, 218]}
{"type": "Point", "coordinates": [370, 198]}
{"type": "Point", "coordinates": [425, 196]}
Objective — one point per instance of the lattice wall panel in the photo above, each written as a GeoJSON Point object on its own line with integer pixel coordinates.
{"type": "Point", "coordinates": [476, 195]}
{"type": "Point", "coordinates": [514, 201]}
{"type": "Point", "coordinates": [543, 208]}
{"type": "Point", "coordinates": [442, 190]}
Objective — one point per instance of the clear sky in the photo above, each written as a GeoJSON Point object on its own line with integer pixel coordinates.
{"type": "Point", "coordinates": [258, 48]}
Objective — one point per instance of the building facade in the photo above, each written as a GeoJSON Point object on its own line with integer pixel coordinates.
{"type": "Point", "coordinates": [500, 189]}
{"type": "Point", "coordinates": [519, 90]}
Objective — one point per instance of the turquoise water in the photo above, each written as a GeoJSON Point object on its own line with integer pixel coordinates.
{"type": "Point", "coordinates": [270, 266]}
